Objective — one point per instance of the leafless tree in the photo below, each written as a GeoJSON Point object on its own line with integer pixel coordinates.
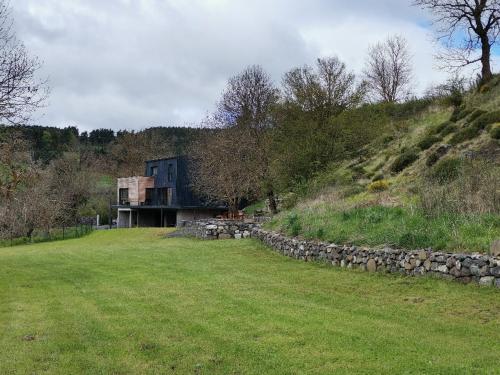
{"type": "Point", "coordinates": [248, 99]}
{"type": "Point", "coordinates": [465, 26]}
{"type": "Point", "coordinates": [327, 90]}
{"type": "Point", "coordinates": [21, 92]}
{"type": "Point", "coordinates": [388, 70]}
{"type": "Point", "coordinates": [225, 165]}
{"type": "Point", "coordinates": [246, 109]}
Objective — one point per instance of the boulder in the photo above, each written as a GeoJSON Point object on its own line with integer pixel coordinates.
{"type": "Point", "coordinates": [486, 281]}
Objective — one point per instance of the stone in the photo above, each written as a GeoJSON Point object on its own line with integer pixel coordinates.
{"type": "Point", "coordinates": [495, 271]}
{"type": "Point", "coordinates": [422, 255]}
{"type": "Point", "coordinates": [408, 266]}
{"type": "Point", "coordinates": [495, 248]}
{"type": "Point", "coordinates": [371, 265]}
{"type": "Point", "coordinates": [497, 283]}
{"type": "Point", "coordinates": [442, 269]}
{"type": "Point", "coordinates": [478, 270]}
{"type": "Point", "coordinates": [211, 227]}
{"type": "Point", "coordinates": [224, 236]}
{"type": "Point", "coordinates": [486, 281]}
{"type": "Point", "coordinates": [237, 236]}
{"type": "Point", "coordinates": [427, 264]}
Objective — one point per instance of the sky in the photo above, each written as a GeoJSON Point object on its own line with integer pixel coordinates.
{"type": "Point", "coordinates": [132, 64]}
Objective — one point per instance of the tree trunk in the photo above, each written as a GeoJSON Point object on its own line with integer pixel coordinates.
{"type": "Point", "coordinates": [486, 74]}
{"type": "Point", "coordinates": [273, 207]}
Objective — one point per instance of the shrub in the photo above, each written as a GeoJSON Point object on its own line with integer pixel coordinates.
{"type": "Point", "coordinates": [289, 200]}
{"type": "Point", "coordinates": [404, 160]}
{"type": "Point", "coordinates": [471, 189]}
{"type": "Point", "coordinates": [378, 177]}
{"type": "Point", "coordinates": [465, 134]}
{"type": "Point", "coordinates": [436, 155]}
{"type": "Point", "coordinates": [485, 119]}
{"type": "Point", "coordinates": [378, 186]}
{"type": "Point", "coordinates": [438, 129]}
{"type": "Point", "coordinates": [450, 128]}
{"type": "Point", "coordinates": [460, 113]}
{"type": "Point", "coordinates": [446, 170]}
{"type": "Point", "coordinates": [495, 131]}
{"type": "Point", "coordinates": [428, 141]}
{"type": "Point", "coordinates": [475, 114]}
{"type": "Point", "coordinates": [292, 223]}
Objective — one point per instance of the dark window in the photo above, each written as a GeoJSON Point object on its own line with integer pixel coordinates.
{"type": "Point", "coordinates": [123, 196]}
{"type": "Point", "coordinates": [170, 172]}
{"type": "Point", "coordinates": [166, 196]}
{"type": "Point", "coordinates": [149, 196]}
{"type": "Point", "coordinates": [154, 171]}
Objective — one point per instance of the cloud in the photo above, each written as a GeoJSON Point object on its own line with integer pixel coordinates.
{"type": "Point", "coordinates": [138, 63]}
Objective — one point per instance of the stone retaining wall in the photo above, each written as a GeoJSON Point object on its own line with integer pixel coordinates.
{"type": "Point", "coordinates": [465, 268]}
{"type": "Point", "coordinates": [213, 229]}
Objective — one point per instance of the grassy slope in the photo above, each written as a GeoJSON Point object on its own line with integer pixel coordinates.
{"type": "Point", "coordinates": [133, 302]}
{"type": "Point", "coordinates": [392, 217]}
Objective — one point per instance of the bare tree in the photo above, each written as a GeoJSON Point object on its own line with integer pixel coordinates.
{"type": "Point", "coordinates": [388, 70]}
{"type": "Point", "coordinates": [21, 93]}
{"type": "Point", "coordinates": [466, 26]}
{"type": "Point", "coordinates": [225, 165]}
{"type": "Point", "coordinates": [248, 99]}
{"type": "Point", "coordinates": [327, 91]}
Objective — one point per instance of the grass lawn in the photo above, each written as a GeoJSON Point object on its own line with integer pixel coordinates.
{"type": "Point", "coordinates": [133, 302]}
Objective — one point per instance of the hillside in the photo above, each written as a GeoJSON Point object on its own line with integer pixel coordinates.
{"type": "Point", "coordinates": [430, 180]}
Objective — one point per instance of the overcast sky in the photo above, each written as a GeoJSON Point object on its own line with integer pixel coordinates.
{"type": "Point", "coordinates": [131, 64]}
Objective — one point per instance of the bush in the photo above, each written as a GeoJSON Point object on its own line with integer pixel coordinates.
{"type": "Point", "coordinates": [428, 141]}
{"type": "Point", "coordinates": [378, 177]}
{"type": "Point", "coordinates": [466, 134]}
{"type": "Point", "coordinates": [289, 200]}
{"type": "Point", "coordinates": [475, 114]}
{"type": "Point", "coordinates": [404, 160]}
{"type": "Point", "coordinates": [460, 113]}
{"type": "Point", "coordinates": [292, 224]}
{"type": "Point", "coordinates": [485, 119]}
{"type": "Point", "coordinates": [436, 155]}
{"type": "Point", "coordinates": [378, 186]}
{"type": "Point", "coordinates": [495, 131]}
{"type": "Point", "coordinates": [438, 129]}
{"type": "Point", "coordinates": [467, 187]}
{"type": "Point", "coordinates": [446, 170]}
{"type": "Point", "coordinates": [450, 128]}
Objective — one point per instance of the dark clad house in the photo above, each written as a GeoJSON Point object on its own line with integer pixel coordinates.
{"type": "Point", "coordinates": [162, 197]}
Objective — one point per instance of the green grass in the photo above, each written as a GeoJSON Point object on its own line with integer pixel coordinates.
{"type": "Point", "coordinates": [394, 226]}
{"type": "Point", "coordinates": [133, 302]}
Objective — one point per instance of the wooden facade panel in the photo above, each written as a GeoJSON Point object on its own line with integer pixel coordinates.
{"type": "Point", "coordinates": [136, 188]}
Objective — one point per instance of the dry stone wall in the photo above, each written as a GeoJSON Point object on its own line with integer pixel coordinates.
{"type": "Point", "coordinates": [465, 268]}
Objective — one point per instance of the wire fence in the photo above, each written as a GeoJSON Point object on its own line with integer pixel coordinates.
{"type": "Point", "coordinates": [55, 234]}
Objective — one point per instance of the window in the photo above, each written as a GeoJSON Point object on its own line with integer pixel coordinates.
{"type": "Point", "coordinates": [154, 171]}
{"type": "Point", "coordinates": [166, 196]}
{"type": "Point", "coordinates": [170, 172]}
{"type": "Point", "coordinates": [123, 196]}
{"type": "Point", "coordinates": [149, 196]}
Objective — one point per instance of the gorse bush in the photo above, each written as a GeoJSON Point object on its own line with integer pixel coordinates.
{"type": "Point", "coordinates": [428, 141]}
{"type": "Point", "coordinates": [495, 131]}
{"type": "Point", "coordinates": [465, 134]}
{"type": "Point", "coordinates": [486, 119]}
{"type": "Point", "coordinates": [404, 160]}
{"type": "Point", "coordinates": [377, 186]}
{"type": "Point", "coordinates": [446, 170]}
{"type": "Point", "coordinates": [460, 113]}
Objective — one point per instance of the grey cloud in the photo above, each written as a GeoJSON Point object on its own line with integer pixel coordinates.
{"type": "Point", "coordinates": [138, 63]}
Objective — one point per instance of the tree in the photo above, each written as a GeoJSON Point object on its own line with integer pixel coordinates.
{"type": "Point", "coordinates": [246, 106]}
{"type": "Point", "coordinates": [248, 99]}
{"type": "Point", "coordinates": [464, 26]}
{"type": "Point", "coordinates": [21, 93]}
{"type": "Point", "coordinates": [326, 91]}
{"type": "Point", "coordinates": [220, 163]}
{"type": "Point", "coordinates": [388, 70]}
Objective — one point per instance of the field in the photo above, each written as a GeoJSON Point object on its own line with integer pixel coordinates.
{"type": "Point", "coordinates": [134, 302]}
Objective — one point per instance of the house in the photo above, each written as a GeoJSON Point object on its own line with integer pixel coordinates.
{"type": "Point", "coordinates": [162, 197]}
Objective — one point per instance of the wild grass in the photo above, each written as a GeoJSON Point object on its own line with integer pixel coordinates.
{"type": "Point", "coordinates": [133, 302]}
{"type": "Point", "coordinates": [393, 226]}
